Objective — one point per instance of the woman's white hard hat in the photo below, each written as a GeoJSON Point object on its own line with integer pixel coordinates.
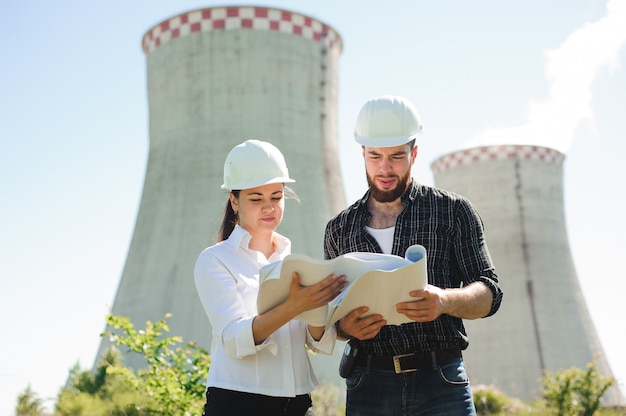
{"type": "Point", "coordinates": [254, 163]}
{"type": "Point", "coordinates": [387, 121]}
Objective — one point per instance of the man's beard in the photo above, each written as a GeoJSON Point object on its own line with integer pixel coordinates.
{"type": "Point", "coordinates": [392, 194]}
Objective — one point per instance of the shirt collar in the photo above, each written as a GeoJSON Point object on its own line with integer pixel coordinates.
{"type": "Point", "coordinates": [413, 191]}
{"type": "Point", "coordinates": [240, 239]}
{"type": "Point", "coordinates": [283, 245]}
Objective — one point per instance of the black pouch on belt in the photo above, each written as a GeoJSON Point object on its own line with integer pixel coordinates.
{"type": "Point", "coordinates": [348, 359]}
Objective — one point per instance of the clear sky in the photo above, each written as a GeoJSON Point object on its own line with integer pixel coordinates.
{"type": "Point", "coordinates": [74, 141]}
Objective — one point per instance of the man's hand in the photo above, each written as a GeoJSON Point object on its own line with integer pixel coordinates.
{"type": "Point", "coordinates": [427, 306]}
{"type": "Point", "coordinates": [470, 302]}
{"type": "Point", "coordinates": [361, 328]}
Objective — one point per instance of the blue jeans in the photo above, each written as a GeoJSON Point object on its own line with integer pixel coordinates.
{"type": "Point", "coordinates": [444, 391]}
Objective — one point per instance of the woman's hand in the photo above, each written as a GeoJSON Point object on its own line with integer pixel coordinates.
{"type": "Point", "coordinates": [305, 298]}
{"type": "Point", "coordinates": [300, 299]}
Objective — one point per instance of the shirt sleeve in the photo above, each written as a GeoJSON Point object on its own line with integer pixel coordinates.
{"type": "Point", "coordinates": [330, 249]}
{"type": "Point", "coordinates": [471, 250]}
{"type": "Point", "coordinates": [226, 309]}
{"type": "Point", "coordinates": [326, 343]}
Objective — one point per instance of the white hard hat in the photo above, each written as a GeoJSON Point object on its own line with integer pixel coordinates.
{"type": "Point", "coordinates": [254, 163]}
{"type": "Point", "coordinates": [387, 121]}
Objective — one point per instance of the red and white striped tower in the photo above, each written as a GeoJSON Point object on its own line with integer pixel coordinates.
{"type": "Point", "coordinates": [217, 77]}
{"type": "Point", "coordinates": [543, 323]}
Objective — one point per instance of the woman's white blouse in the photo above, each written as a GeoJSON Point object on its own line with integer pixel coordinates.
{"type": "Point", "coordinates": [227, 280]}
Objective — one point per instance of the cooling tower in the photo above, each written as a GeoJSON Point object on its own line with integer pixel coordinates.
{"type": "Point", "coordinates": [217, 77]}
{"type": "Point", "coordinates": [543, 323]}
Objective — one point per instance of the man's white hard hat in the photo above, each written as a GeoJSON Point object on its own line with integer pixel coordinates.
{"type": "Point", "coordinates": [387, 121]}
{"type": "Point", "coordinates": [254, 163]}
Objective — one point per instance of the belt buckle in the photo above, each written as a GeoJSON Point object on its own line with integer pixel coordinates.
{"type": "Point", "coordinates": [396, 364]}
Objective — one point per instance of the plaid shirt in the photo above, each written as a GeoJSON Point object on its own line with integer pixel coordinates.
{"type": "Point", "coordinates": [451, 230]}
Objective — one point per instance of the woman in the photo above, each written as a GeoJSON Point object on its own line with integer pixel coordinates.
{"type": "Point", "coordinates": [259, 364]}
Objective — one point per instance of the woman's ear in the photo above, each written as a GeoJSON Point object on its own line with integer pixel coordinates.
{"type": "Point", "coordinates": [233, 203]}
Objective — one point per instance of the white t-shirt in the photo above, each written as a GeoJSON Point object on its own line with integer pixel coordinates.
{"type": "Point", "coordinates": [384, 236]}
{"type": "Point", "coordinates": [227, 280]}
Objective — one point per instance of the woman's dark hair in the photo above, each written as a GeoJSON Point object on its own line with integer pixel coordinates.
{"type": "Point", "coordinates": [230, 219]}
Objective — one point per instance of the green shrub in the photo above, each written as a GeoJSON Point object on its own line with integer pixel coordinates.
{"type": "Point", "coordinates": [488, 400]}
{"type": "Point", "coordinates": [29, 404]}
{"type": "Point", "coordinates": [173, 383]}
{"type": "Point", "coordinates": [575, 391]}
{"type": "Point", "coordinates": [100, 393]}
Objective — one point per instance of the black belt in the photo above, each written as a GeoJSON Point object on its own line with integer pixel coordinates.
{"type": "Point", "coordinates": [409, 362]}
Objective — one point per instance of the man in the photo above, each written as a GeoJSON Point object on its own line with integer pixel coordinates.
{"type": "Point", "coordinates": [415, 368]}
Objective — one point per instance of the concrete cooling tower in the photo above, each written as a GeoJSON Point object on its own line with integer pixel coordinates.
{"type": "Point", "coordinates": [217, 77]}
{"type": "Point", "coordinates": [543, 323]}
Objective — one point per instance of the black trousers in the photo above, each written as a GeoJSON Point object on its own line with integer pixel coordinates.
{"type": "Point", "coordinates": [221, 402]}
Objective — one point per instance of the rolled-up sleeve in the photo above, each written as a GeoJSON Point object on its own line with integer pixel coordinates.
{"type": "Point", "coordinates": [473, 255]}
{"type": "Point", "coordinates": [326, 344]}
{"type": "Point", "coordinates": [227, 308]}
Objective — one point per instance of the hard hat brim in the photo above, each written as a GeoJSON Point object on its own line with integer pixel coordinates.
{"type": "Point", "coordinates": [386, 141]}
{"type": "Point", "coordinates": [254, 184]}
